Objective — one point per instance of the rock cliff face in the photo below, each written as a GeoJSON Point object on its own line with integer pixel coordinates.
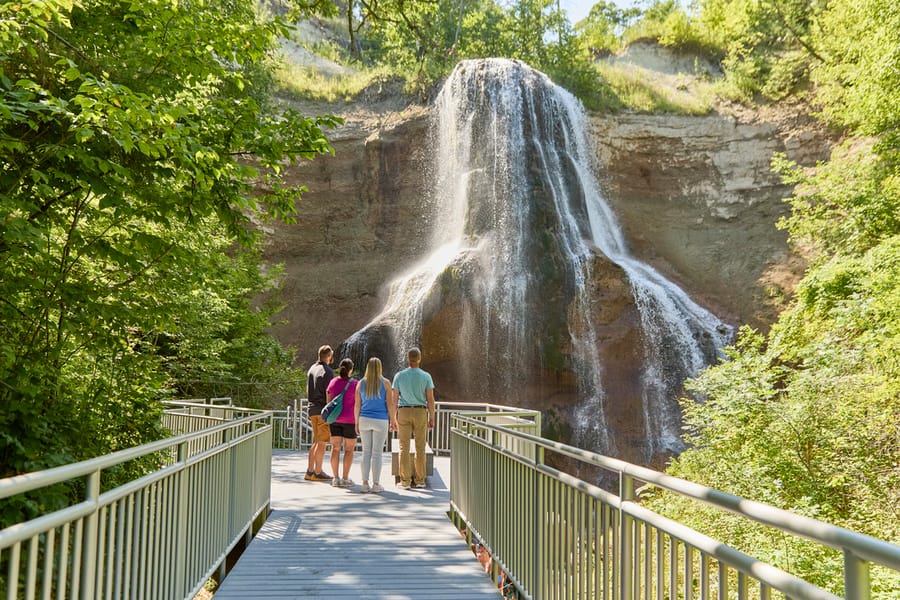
{"type": "Point", "coordinates": [695, 197]}
{"type": "Point", "coordinates": [698, 199]}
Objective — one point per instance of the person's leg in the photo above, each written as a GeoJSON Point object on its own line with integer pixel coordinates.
{"type": "Point", "coordinates": [322, 436]}
{"type": "Point", "coordinates": [349, 446]}
{"type": "Point", "coordinates": [420, 431]}
{"type": "Point", "coordinates": [378, 440]}
{"type": "Point", "coordinates": [405, 426]}
{"type": "Point", "coordinates": [336, 443]}
{"type": "Point", "coordinates": [310, 467]}
{"type": "Point", "coordinates": [311, 463]}
{"type": "Point", "coordinates": [365, 434]}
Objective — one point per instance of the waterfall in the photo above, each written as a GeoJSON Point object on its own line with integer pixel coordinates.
{"type": "Point", "coordinates": [517, 220]}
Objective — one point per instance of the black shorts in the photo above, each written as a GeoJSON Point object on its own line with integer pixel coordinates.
{"type": "Point", "coordinates": [344, 430]}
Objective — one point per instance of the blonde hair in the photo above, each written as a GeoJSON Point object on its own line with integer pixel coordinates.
{"type": "Point", "coordinates": [373, 378]}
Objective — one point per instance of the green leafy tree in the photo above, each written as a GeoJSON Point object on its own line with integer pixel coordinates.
{"type": "Point", "coordinates": [601, 30]}
{"type": "Point", "coordinates": [409, 34]}
{"type": "Point", "coordinates": [807, 417]}
{"type": "Point", "coordinates": [858, 79]}
{"type": "Point", "coordinates": [767, 44]}
{"type": "Point", "coordinates": [429, 38]}
{"type": "Point", "coordinates": [132, 138]}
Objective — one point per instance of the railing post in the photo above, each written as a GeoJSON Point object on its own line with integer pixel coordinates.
{"type": "Point", "coordinates": [496, 518]}
{"type": "Point", "coordinates": [181, 533]}
{"type": "Point", "coordinates": [537, 550]}
{"type": "Point", "coordinates": [856, 578]}
{"type": "Point", "coordinates": [295, 427]}
{"type": "Point", "coordinates": [89, 537]}
{"type": "Point", "coordinates": [626, 538]}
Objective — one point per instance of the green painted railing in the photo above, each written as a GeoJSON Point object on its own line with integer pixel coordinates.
{"type": "Point", "coordinates": [160, 536]}
{"type": "Point", "coordinates": [552, 535]}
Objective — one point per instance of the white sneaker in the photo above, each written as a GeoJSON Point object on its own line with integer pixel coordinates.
{"type": "Point", "coordinates": [364, 488]}
{"type": "Point", "coordinates": [335, 482]}
{"type": "Point", "coordinates": [376, 488]}
{"type": "Point", "coordinates": [419, 486]}
{"type": "Point", "coordinates": [347, 483]}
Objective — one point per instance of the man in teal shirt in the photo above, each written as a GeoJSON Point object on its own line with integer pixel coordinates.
{"type": "Point", "coordinates": [414, 397]}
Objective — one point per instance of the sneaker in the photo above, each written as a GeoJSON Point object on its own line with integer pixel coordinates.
{"type": "Point", "coordinates": [376, 488]}
{"type": "Point", "coordinates": [364, 488]}
{"type": "Point", "coordinates": [335, 482]}
{"type": "Point", "coordinates": [347, 483]}
{"type": "Point", "coordinates": [322, 477]}
{"type": "Point", "coordinates": [404, 486]}
{"type": "Point", "coordinates": [310, 476]}
{"type": "Point", "coordinates": [419, 486]}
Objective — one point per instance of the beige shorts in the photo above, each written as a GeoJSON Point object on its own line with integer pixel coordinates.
{"type": "Point", "coordinates": [321, 430]}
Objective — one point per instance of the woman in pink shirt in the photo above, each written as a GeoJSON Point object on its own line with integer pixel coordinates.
{"type": "Point", "coordinates": [343, 430]}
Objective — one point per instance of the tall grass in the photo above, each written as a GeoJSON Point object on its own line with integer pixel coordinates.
{"type": "Point", "coordinates": [307, 82]}
{"type": "Point", "coordinates": [646, 91]}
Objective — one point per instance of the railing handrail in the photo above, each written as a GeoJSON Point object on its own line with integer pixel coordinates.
{"type": "Point", "coordinates": [27, 482]}
{"type": "Point", "coordinates": [782, 579]}
{"type": "Point", "coordinates": [161, 534]}
{"type": "Point", "coordinates": [862, 545]}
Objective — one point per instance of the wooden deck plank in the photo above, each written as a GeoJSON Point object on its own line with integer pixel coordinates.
{"type": "Point", "coordinates": [333, 543]}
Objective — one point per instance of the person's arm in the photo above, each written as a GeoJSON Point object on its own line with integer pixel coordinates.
{"type": "Point", "coordinates": [392, 402]}
{"type": "Point", "coordinates": [429, 396]}
{"type": "Point", "coordinates": [396, 396]}
{"type": "Point", "coordinates": [356, 407]}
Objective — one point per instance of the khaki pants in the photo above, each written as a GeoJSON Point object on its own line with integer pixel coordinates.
{"type": "Point", "coordinates": [412, 421]}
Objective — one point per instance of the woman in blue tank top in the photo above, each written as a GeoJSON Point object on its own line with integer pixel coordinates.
{"type": "Point", "coordinates": [375, 416]}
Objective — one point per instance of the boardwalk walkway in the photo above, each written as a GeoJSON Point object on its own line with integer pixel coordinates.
{"type": "Point", "coordinates": [398, 545]}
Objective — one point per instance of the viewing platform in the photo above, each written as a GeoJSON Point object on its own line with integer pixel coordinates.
{"type": "Point", "coordinates": [229, 502]}
{"type": "Point", "coordinates": [327, 542]}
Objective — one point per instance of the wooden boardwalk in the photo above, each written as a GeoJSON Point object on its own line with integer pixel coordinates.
{"type": "Point", "coordinates": [326, 542]}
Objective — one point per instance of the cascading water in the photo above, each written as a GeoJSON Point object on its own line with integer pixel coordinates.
{"type": "Point", "coordinates": [517, 222]}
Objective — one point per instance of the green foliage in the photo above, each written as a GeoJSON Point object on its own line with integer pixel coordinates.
{"type": "Point", "coordinates": [807, 417]}
{"type": "Point", "coordinates": [651, 24]}
{"type": "Point", "coordinates": [425, 40]}
{"type": "Point", "coordinates": [600, 31]}
{"type": "Point", "coordinates": [859, 81]}
{"type": "Point", "coordinates": [132, 135]}
{"type": "Point", "coordinates": [846, 206]}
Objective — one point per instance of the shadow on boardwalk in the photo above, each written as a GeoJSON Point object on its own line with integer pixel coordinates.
{"type": "Point", "coordinates": [326, 542]}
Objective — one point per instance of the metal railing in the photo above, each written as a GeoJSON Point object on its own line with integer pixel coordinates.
{"type": "Point", "coordinates": [553, 535]}
{"type": "Point", "coordinates": [159, 536]}
{"type": "Point", "coordinates": [292, 430]}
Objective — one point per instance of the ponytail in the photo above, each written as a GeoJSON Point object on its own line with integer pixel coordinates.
{"type": "Point", "coordinates": [346, 368]}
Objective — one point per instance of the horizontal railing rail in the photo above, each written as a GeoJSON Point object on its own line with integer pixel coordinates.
{"type": "Point", "coordinates": [556, 536]}
{"type": "Point", "coordinates": [439, 437]}
{"type": "Point", "coordinates": [292, 429]}
{"type": "Point", "coordinates": [161, 535]}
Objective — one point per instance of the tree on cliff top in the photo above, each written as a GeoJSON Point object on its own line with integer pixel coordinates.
{"type": "Point", "coordinates": [133, 136]}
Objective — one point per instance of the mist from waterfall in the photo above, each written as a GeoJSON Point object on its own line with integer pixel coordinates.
{"type": "Point", "coordinates": [505, 135]}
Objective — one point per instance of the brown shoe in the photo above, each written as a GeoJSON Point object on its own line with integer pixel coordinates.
{"type": "Point", "coordinates": [322, 477]}
{"type": "Point", "coordinates": [310, 476]}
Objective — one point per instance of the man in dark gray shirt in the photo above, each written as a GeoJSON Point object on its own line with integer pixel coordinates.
{"type": "Point", "coordinates": [320, 373]}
